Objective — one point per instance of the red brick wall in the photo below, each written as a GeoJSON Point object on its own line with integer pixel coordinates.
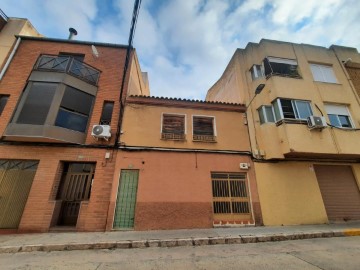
{"type": "Point", "coordinates": [110, 62]}
{"type": "Point", "coordinates": [38, 212]}
{"type": "Point", "coordinates": [174, 188]}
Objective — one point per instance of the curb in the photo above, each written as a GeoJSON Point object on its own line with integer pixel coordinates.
{"type": "Point", "coordinates": [177, 242]}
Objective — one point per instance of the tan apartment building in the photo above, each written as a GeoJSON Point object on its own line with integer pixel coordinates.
{"type": "Point", "coordinates": [304, 128]}
{"type": "Point", "coordinates": [58, 129]}
{"type": "Point", "coordinates": [183, 164]}
{"type": "Point", "coordinates": [9, 28]}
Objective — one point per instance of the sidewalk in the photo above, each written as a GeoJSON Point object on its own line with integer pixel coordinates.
{"type": "Point", "coordinates": [170, 238]}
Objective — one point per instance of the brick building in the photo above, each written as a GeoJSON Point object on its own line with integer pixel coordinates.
{"type": "Point", "coordinates": [53, 173]}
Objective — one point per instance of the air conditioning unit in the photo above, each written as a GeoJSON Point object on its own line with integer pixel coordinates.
{"type": "Point", "coordinates": [316, 122]}
{"type": "Point", "coordinates": [101, 132]}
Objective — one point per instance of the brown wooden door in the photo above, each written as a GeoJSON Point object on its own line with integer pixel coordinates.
{"type": "Point", "coordinates": [339, 191]}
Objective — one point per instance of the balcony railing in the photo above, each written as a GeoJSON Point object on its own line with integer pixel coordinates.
{"type": "Point", "coordinates": [68, 65]}
{"type": "Point", "coordinates": [204, 138]}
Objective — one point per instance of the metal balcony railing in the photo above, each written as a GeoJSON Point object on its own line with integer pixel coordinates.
{"type": "Point", "coordinates": [3, 15]}
{"type": "Point", "coordinates": [68, 65]}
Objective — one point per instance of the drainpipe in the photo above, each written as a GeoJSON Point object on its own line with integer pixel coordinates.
{"type": "Point", "coordinates": [10, 58]}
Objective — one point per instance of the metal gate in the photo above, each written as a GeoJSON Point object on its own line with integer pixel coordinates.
{"type": "Point", "coordinates": [231, 201]}
{"type": "Point", "coordinates": [75, 187]}
{"type": "Point", "coordinates": [16, 177]}
{"type": "Point", "coordinates": [126, 199]}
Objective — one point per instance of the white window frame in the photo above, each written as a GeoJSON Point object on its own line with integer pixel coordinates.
{"type": "Point", "coordinates": [179, 114]}
{"type": "Point", "coordinates": [266, 120]}
{"type": "Point", "coordinates": [321, 73]}
{"type": "Point", "coordinates": [208, 116]}
{"type": "Point", "coordinates": [254, 71]}
{"type": "Point", "coordinates": [294, 107]}
{"type": "Point", "coordinates": [339, 109]}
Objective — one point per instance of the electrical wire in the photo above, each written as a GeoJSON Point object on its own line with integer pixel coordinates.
{"type": "Point", "coordinates": [135, 15]}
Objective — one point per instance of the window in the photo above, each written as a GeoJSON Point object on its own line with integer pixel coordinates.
{"type": "Point", "coordinates": [257, 71]}
{"type": "Point", "coordinates": [3, 101]}
{"type": "Point", "coordinates": [322, 73]}
{"type": "Point", "coordinates": [291, 109]}
{"type": "Point", "coordinates": [339, 115]}
{"type": "Point", "coordinates": [204, 129]}
{"type": "Point", "coordinates": [74, 110]}
{"type": "Point", "coordinates": [281, 67]}
{"type": "Point", "coordinates": [173, 127]}
{"type": "Point", "coordinates": [37, 103]}
{"type": "Point", "coordinates": [106, 113]}
{"type": "Point", "coordinates": [266, 114]}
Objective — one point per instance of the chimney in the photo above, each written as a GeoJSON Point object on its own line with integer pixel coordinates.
{"type": "Point", "coordinates": [73, 33]}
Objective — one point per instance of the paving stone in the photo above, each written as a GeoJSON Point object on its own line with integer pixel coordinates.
{"type": "Point", "coordinates": [248, 239]}
{"type": "Point", "coordinates": [10, 249]}
{"type": "Point", "coordinates": [123, 244]}
{"type": "Point", "coordinates": [201, 241]}
{"type": "Point", "coordinates": [278, 237]}
{"type": "Point", "coordinates": [168, 243]}
{"type": "Point", "coordinates": [31, 248]}
{"type": "Point", "coordinates": [263, 238]}
{"type": "Point", "coordinates": [184, 242]}
{"type": "Point", "coordinates": [138, 244]}
{"type": "Point", "coordinates": [217, 240]}
{"type": "Point", "coordinates": [233, 240]}
{"type": "Point", "coordinates": [153, 243]}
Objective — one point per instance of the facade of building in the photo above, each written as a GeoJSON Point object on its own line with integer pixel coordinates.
{"type": "Point", "coordinates": [303, 126]}
{"type": "Point", "coordinates": [183, 164]}
{"type": "Point", "coordinates": [53, 173]}
{"type": "Point", "coordinates": [9, 28]}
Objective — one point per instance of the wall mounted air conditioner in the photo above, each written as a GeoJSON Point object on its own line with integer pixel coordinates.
{"type": "Point", "coordinates": [316, 122]}
{"type": "Point", "coordinates": [101, 132]}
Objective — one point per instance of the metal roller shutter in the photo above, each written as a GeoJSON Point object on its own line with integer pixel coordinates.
{"type": "Point", "coordinates": [339, 191]}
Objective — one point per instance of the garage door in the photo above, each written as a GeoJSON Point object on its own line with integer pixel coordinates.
{"type": "Point", "coordinates": [16, 177]}
{"type": "Point", "coordinates": [339, 191]}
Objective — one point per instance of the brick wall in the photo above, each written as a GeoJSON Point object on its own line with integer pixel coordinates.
{"type": "Point", "coordinates": [38, 212]}
{"type": "Point", "coordinates": [110, 62]}
{"type": "Point", "coordinates": [41, 208]}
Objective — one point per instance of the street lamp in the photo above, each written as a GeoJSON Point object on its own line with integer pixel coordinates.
{"type": "Point", "coordinates": [258, 90]}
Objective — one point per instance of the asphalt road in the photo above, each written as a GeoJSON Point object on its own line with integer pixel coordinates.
{"type": "Point", "coordinates": [325, 253]}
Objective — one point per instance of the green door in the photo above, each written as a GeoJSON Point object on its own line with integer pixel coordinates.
{"type": "Point", "coordinates": [126, 200]}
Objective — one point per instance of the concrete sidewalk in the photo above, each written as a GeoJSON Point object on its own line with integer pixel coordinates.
{"type": "Point", "coordinates": [170, 238]}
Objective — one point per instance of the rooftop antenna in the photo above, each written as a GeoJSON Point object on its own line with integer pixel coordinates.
{"type": "Point", "coordinates": [72, 33]}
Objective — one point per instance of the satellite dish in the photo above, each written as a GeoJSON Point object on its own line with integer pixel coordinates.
{"type": "Point", "coordinates": [94, 51]}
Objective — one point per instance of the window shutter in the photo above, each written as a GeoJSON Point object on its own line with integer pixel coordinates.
{"type": "Point", "coordinates": [174, 124]}
{"type": "Point", "coordinates": [203, 126]}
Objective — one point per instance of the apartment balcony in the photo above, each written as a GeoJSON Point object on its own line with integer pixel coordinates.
{"type": "Point", "coordinates": [296, 140]}
{"type": "Point", "coordinates": [69, 65]}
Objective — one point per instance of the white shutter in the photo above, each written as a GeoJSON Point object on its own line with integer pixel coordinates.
{"type": "Point", "coordinates": [329, 74]}
{"type": "Point", "coordinates": [316, 72]}
{"type": "Point", "coordinates": [282, 61]}
{"type": "Point", "coordinates": [336, 109]}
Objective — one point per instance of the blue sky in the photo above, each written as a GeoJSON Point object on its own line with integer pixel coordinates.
{"type": "Point", "coordinates": [185, 45]}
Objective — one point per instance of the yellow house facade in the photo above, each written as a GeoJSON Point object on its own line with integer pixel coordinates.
{"type": "Point", "coordinates": [303, 127]}
{"type": "Point", "coordinates": [9, 28]}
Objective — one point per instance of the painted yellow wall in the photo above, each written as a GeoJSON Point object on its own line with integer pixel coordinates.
{"type": "Point", "coordinates": [14, 26]}
{"type": "Point", "coordinates": [142, 127]}
{"type": "Point", "coordinates": [289, 194]}
{"type": "Point", "coordinates": [274, 140]}
{"type": "Point", "coordinates": [138, 85]}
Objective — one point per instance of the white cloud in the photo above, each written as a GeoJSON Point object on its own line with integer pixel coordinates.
{"type": "Point", "coordinates": [186, 45]}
